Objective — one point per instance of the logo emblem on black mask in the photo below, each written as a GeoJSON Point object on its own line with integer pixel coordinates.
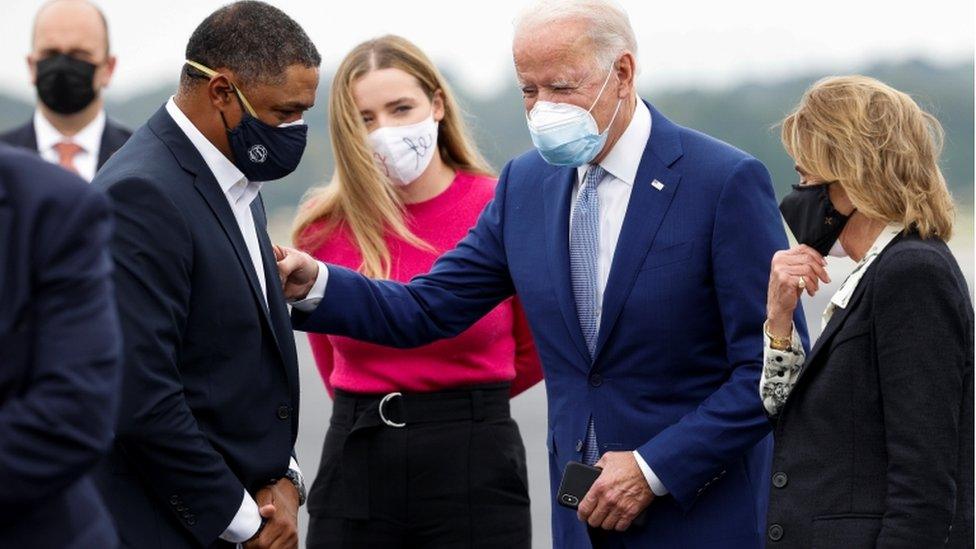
{"type": "Point", "coordinates": [258, 154]}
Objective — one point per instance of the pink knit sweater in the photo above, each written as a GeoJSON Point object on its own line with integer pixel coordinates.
{"type": "Point", "coordinates": [497, 348]}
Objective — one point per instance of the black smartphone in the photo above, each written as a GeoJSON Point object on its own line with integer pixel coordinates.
{"type": "Point", "coordinates": [577, 479]}
{"type": "Point", "coordinates": [576, 482]}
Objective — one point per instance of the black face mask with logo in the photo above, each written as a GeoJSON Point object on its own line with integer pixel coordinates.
{"type": "Point", "coordinates": [261, 152]}
{"type": "Point", "coordinates": [64, 84]}
{"type": "Point", "coordinates": [812, 217]}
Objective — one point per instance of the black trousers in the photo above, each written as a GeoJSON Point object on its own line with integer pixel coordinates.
{"type": "Point", "coordinates": [453, 477]}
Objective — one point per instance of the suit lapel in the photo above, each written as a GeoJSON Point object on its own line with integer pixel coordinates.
{"type": "Point", "coordinates": [277, 310]}
{"type": "Point", "coordinates": [836, 323]}
{"type": "Point", "coordinates": [645, 211]}
{"type": "Point", "coordinates": [206, 184]}
{"type": "Point", "coordinates": [28, 139]}
{"type": "Point", "coordinates": [6, 228]}
{"type": "Point", "coordinates": [108, 144]}
{"type": "Point", "coordinates": [208, 187]}
{"type": "Point", "coordinates": [557, 191]}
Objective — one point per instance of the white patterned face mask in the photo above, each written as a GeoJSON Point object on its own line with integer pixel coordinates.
{"type": "Point", "coordinates": [404, 152]}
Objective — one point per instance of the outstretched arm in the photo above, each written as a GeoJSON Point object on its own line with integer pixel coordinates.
{"type": "Point", "coordinates": [464, 285]}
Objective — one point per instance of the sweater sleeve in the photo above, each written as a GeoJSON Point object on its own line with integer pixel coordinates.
{"type": "Point", "coordinates": [528, 368]}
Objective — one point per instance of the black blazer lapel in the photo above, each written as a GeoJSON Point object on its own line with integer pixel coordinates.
{"type": "Point", "coordinates": [557, 190]}
{"type": "Point", "coordinates": [113, 137]}
{"type": "Point", "coordinates": [23, 136]}
{"type": "Point", "coordinates": [277, 309]}
{"type": "Point", "coordinates": [836, 322]}
{"type": "Point", "coordinates": [6, 228]}
{"type": "Point", "coordinates": [645, 212]}
{"type": "Point", "coordinates": [206, 184]}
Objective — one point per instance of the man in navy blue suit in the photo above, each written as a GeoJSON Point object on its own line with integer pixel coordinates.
{"type": "Point", "coordinates": [60, 346]}
{"type": "Point", "coordinates": [203, 454]}
{"type": "Point", "coordinates": [640, 250]}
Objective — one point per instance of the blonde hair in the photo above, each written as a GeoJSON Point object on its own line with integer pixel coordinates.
{"type": "Point", "coordinates": [879, 145]}
{"type": "Point", "coordinates": [360, 196]}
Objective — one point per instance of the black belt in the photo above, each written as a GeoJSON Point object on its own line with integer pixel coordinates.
{"type": "Point", "coordinates": [363, 413]}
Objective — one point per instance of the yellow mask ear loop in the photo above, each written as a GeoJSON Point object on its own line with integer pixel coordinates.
{"type": "Point", "coordinates": [211, 73]}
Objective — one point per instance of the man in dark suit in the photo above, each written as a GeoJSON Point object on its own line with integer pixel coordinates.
{"type": "Point", "coordinates": [59, 356]}
{"type": "Point", "coordinates": [70, 64]}
{"type": "Point", "coordinates": [203, 455]}
{"type": "Point", "coordinates": [630, 241]}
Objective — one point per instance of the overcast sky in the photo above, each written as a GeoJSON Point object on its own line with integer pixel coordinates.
{"type": "Point", "coordinates": [696, 42]}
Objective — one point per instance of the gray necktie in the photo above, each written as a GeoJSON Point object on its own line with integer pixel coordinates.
{"type": "Point", "coordinates": [584, 249]}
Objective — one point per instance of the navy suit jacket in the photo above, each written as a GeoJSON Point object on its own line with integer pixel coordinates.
{"type": "Point", "coordinates": [113, 138]}
{"type": "Point", "coordinates": [210, 378]}
{"type": "Point", "coordinates": [60, 346]}
{"type": "Point", "coordinates": [679, 352]}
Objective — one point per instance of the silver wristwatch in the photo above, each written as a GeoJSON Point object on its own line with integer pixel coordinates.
{"type": "Point", "coordinates": [298, 480]}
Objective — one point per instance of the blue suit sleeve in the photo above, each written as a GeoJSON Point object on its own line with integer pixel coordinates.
{"type": "Point", "coordinates": [60, 424]}
{"type": "Point", "coordinates": [464, 285]}
{"type": "Point", "coordinates": [748, 230]}
{"type": "Point", "coordinates": [153, 254]}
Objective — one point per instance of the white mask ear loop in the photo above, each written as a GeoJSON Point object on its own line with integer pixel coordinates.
{"type": "Point", "coordinates": [599, 95]}
{"type": "Point", "coordinates": [602, 89]}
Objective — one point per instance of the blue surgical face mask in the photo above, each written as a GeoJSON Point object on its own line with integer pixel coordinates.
{"type": "Point", "coordinates": [567, 135]}
{"type": "Point", "coordinates": [262, 152]}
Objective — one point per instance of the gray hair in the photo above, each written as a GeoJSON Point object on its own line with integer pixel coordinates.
{"type": "Point", "coordinates": [607, 24]}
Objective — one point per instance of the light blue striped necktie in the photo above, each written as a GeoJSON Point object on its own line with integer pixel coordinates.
{"type": "Point", "coordinates": [584, 249]}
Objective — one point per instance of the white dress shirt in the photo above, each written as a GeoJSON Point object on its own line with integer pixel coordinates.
{"type": "Point", "coordinates": [89, 139]}
{"type": "Point", "coordinates": [621, 165]}
{"type": "Point", "coordinates": [240, 193]}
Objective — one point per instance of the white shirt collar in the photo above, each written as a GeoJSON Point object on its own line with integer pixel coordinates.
{"type": "Point", "coordinates": [888, 234]}
{"type": "Point", "coordinates": [625, 157]}
{"type": "Point", "coordinates": [89, 138]}
{"type": "Point", "coordinates": [238, 189]}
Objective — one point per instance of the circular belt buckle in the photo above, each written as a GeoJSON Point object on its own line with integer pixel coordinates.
{"type": "Point", "coordinates": [383, 402]}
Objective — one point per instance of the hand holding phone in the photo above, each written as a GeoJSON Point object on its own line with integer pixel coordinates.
{"type": "Point", "coordinates": [577, 481]}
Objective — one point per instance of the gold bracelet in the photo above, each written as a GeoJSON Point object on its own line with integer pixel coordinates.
{"type": "Point", "coordinates": [779, 343]}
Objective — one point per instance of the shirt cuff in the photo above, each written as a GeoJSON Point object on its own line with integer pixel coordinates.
{"type": "Point", "coordinates": [315, 294]}
{"type": "Point", "coordinates": [780, 372]}
{"type": "Point", "coordinates": [293, 466]}
{"type": "Point", "coordinates": [246, 522]}
{"type": "Point", "coordinates": [655, 483]}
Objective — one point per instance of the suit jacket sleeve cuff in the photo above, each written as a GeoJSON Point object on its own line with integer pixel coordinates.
{"type": "Point", "coordinates": [655, 483]}
{"type": "Point", "coordinates": [314, 296]}
{"type": "Point", "coordinates": [246, 522]}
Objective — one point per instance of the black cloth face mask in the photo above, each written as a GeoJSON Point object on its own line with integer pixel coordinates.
{"type": "Point", "coordinates": [261, 152]}
{"type": "Point", "coordinates": [64, 84]}
{"type": "Point", "coordinates": [812, 217]}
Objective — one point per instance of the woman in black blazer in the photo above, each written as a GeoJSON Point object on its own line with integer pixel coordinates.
{"type": "Point", "coordinates": [874, 424]}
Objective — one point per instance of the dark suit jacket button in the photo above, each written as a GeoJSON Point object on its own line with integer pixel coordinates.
{"type": "Point", "coordinates": [775, 532]}
{"type": "Point", "coordinates": [191, 521]}
{"type": "Point", "coordinates": [174, 499]}
{"type": "Point", "coordinates": [283, 412]}
{"type": "Point", "coordinates": [579, 445]}
{"type": "Point", "coordinates": [596, 380]}
{"type": "Point", "coordinates": [780, 480]}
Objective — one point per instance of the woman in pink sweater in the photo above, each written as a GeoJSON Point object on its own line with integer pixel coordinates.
{"type": "Point", "coordinates": [421, 450]}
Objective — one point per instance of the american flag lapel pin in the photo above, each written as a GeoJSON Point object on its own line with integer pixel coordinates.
{"type": "Point", "coordinates": [657, 184]}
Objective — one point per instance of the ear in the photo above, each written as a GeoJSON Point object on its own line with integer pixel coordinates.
{"type": "Point", "coordinates": [107, 71]}
{"type": "Point", "coordinates": [220, 92]}
{"type": "Point", "coordinates": [437, 106]}
{"type": "Point", "coordinates": [32, 67]}
{"type": "Point", "coordinates": [626, 68]}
